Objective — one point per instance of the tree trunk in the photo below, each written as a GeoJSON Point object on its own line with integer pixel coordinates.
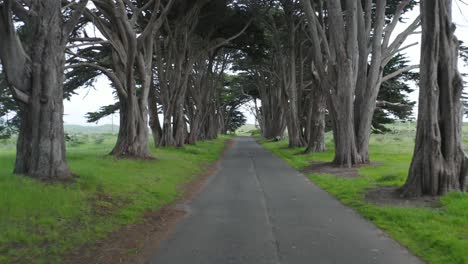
{"type": "Point", "coordinates": [274, 129]}
{"type": "Point", "coordinates": [41, 150]}
{"type": "Point", "coordinates": [294, 129]}
{"type": "Point", "coordinates": [155, 125]}
{"type": "Point", "coordinates": [369, 73]}
{"type": "Point", "coordinates": [167, 138]}
{"type": "Point", "coordinates": [439, 164]}
{"type": "Point", "coordinates": [343, 76]}
{"type": "Point", "coordinates": [365, 108]}
{"type": "Point", "coordinates": [341, 112]}
{"type": "Point", "coordinates": [295, 134]}
{"type": "Point", "coordinates": [211, 125]}
{"type": "Point", "coordinates": [36, 80]}
{"type": "Point", "coordinates": [132, 141]}
{"type": "Point", "coordinates": [316, 126]}
{"type": "Point", "coordinates": [179, 126]}
{"type": "Point", "coordinates": [195, 125]}
{"type": "Point", "coordinates": [272, 113]}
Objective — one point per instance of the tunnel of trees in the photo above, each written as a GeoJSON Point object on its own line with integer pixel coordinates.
{"type": "Point", "coordinates": [182, 70]}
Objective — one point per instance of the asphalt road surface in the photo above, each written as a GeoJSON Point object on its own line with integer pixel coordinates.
{"type": "Point", "coordinates": [259, 210]}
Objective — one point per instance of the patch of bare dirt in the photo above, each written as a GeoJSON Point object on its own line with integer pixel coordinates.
{"type": "Point", "coordinates": [330, 168]}
{"type": "Point", "coordinates": [391, 196]}
{"type": "Point", "coordinates": [133, 244]}
{"type": "Point", "coordinates": [103, 204]}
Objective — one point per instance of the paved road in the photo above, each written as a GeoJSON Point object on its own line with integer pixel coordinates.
{"type": "Point", "coordinates": [258, 210]}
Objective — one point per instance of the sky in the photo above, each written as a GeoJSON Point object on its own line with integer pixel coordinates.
{"type": "Point", "coordinates": [91, 99]}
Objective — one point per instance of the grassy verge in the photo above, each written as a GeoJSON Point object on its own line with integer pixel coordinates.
{"type": "Point", "coordinates": [39, 222]}
{"type": "Point", "coordinates": [439, 235]}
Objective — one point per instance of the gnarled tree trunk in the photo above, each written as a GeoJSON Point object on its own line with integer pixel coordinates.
{"type": "Point", "coordinates": [343, 76]}
{"type": "Point", "coordinates": [375, 51]}
{"type": "Point", "coordinates": [132, 45]}
{"type": "Point", "coordinates": [344, 63]}
{"type": "Point", "coordinates": [132, 141]}
{"type": "Point", "coordinates": [439, 164]}
{"type": "Point", "coordinates": [341, 112]}
{"type": "Point", "coordinates": [41, 143]}
{"type": "Point", "coordinates": [35, 75]}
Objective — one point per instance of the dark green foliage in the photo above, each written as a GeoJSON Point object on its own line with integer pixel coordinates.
{"type": "Point", "coordinates": [82, 77]}
{"type": "Point", "coordinates": [464, 53]}
{"type": "Point", "coordinates": [94, 117]}
{"type": "Point", "coordinates": [236, 120]}
{"type": "Point", "coordinates": [232, 97]}
{"type": "Point", "coordinates": [234, 93]}
{"type": "Point", "coordinates": [85, 77]}
{"type": "Point", "coordinates": [395, 91]}
{"type": "Point", "coordinates": [392, 6]}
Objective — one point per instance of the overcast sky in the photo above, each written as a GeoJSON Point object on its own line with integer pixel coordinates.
{"type": "Point", "coordinates": [90, 100]}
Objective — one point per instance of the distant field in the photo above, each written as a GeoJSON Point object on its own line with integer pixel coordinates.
{"type": "Point", "coordinates": [246, 130]}
{"type": "Point", "coordinates": [103, 129]}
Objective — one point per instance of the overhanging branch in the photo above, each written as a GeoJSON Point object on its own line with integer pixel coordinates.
{"type": "Point", "coordinates": [400, 71]}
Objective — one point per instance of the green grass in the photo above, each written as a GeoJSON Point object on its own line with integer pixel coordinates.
{"type": "Point", "coordinates": [438, 235]}
{"type": "Point", "coordinates": [40, 222]}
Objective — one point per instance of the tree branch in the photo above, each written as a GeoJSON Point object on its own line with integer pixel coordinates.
{"type": "Point", "coordinates": [22, 12]}
{"type": "Point", "coordinates": [391, 27]}
{"type": "Point", "coordinates": [20, 95]}
{"type": "Point", "coordinates": [71, 23]}
{"type": "Point", "coordinates": [400, 39]}
{"type": "Point", "coordinates": [105, 71]}
{"type": "Point", "coordinates": [400, 71]}
{"type": "Point", "coordinates": [382, 104]}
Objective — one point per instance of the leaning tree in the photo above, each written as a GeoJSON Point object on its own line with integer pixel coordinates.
{"type": "Point", "coordinates": [33, 62]}
{"type": "Point", "coordinates": [439, 164]}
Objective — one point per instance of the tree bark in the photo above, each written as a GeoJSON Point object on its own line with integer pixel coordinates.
{"type": "Point", "coordinates": [132, 140]}
{"type": "Point", "coordinates": [180, 133]}
{"type": "Point", "coordinates": [272, 112]}
{"type": "Point", "coordinates": [131, 40]}
{"type": "Point", "coordinates": [352, 77]}
{"type": "Point", "coordinates": [439, 164]}
{"type": "Point", "coordinates": [167, 138]}
{"type": "Point", "coordinates": [154, 122]}
{"type": "Point", "coordinates": [295, 133]}
{"type": "Point", "coordinates": [316, 126]}
{"type": "Point", "coordinates": [375, 51]}
{"type": "Point", "coordinates": [35, 75]}
{"type": "Point", "coordinates": [41, 150]}
{"type": "Point", "coordinates": [343, 76]}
